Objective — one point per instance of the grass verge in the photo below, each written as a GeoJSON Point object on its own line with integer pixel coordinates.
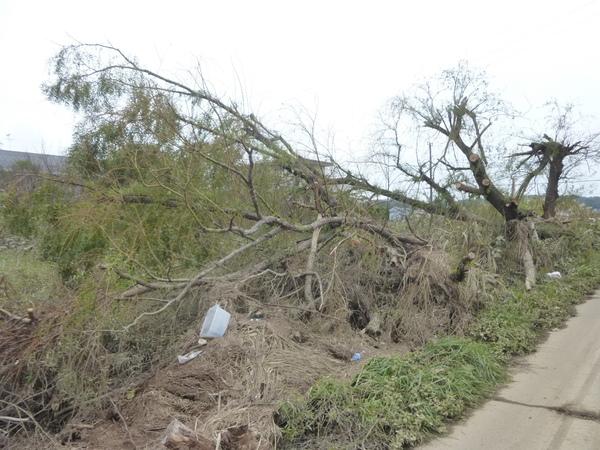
{"type": "Point", "coordinates": [400, 402]}
{"type": "Point", "coordinates": [395, 401]}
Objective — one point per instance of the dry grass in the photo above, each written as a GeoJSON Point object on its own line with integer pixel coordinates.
{"type": "Point", "coordinates": [238, 380]}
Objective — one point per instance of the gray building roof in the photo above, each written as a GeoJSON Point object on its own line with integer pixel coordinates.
{"type": "Point", "coordinates": [45, 163]}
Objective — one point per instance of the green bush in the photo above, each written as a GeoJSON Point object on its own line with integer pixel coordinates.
{"type": "Point", "coordinates": [73, 249]}
{"type": "Point", "coordinates": [25, 210]}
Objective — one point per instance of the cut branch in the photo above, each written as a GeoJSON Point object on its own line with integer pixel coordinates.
{"type": "Point", "coordinates": [26, 320]}
{"type": "Point", "coordinates": [467, 188]}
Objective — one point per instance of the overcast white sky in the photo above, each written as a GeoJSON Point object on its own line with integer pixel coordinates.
{"type": "Point", "coordinates": [339, 59]}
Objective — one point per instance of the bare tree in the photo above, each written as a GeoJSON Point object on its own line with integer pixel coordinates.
{"type": "Point", "coordinates": [453, 115]}
{"type": "Point", "coordinates": [560, 154]}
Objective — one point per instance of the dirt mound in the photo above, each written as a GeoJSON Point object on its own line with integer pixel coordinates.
{"type": "Point", "coordinates": [237, 381]}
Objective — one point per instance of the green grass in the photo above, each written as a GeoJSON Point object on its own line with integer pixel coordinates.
{"type": "Point", "coordinates": [27, 281]}
{"type": "Point", "coordinates": [395, 401]}
{"type": "Point", "coordinates": [514, 325]}
{"type": "Point", "coordinates": [402, 401]}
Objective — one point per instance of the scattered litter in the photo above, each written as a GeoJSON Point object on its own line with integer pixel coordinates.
{"type": "Point", "coordinates": [215, 323]}
{"type": "Point", "coordinates": [356, 357]}
{"type": "Point", "coordinates": [554, 275]}
{"type": "Point", "coordinates": [256, 315]}
{"type": "Point", "coordinates": [202, 342]}
{"type": "Point", "coordinates": [182, 359]}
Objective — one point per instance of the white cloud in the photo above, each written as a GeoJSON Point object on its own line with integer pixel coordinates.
{"type": "Point", "coordinates": [343, 57]}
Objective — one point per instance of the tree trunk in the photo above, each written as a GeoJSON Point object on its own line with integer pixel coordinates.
{"type": "Point", "coordinates": [520, 233]}
{"type": "Point", "coordinates": [308, 281]}
{"type": "Point", "coordinates": [529, 266]}
{"type": "Point", "coordinates": [556, 168]}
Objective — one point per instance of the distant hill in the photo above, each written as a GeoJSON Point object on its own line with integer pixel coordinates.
{"type": "Point", "coordinates": [592, 202]}
{"type": "Point", "coordinates": [398, 210]}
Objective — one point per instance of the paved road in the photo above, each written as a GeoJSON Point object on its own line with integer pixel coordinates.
{"type": "Point", "coordinates": [553, 401]}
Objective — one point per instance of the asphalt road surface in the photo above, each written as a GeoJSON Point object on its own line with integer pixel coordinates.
{"type": "Point", "coordinates": [553, 401]}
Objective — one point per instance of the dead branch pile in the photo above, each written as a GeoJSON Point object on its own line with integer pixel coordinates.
{"type": "Point", "coordinates": [26, 384]}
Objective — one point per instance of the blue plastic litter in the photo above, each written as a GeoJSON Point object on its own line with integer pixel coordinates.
{"type": "Point", "coordinates": [356, 357]}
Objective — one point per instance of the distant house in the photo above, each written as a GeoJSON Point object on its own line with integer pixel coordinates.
{"type": "Point", "coordinates": [394, 210]}
{"type": "Point", "coordinates": [317, 165]}
{"type": "Point", "coordinates": [11, 160]}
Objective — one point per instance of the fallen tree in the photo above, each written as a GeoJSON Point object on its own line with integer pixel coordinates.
{"type": "Point", "coordinates": [151, 115]}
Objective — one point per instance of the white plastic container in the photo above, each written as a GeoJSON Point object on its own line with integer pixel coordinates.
{"type": "Point", "coordinates": [215, 323]}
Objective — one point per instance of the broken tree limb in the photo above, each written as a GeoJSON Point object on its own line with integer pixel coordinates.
{"type": "Point", "coordinates": [367, 225]}
{"type": "Point", "coordinates": [518, 231]}
{"type": "Point", "coordinates": [530, 234]}
{"type": "Point", "coordinates": [143, 286]}
{"type": "Point", "coordinates": [374, 327]}
{"type": "Point", "coordinates": [14, 419]}
{"type": "Point", "coordinates": [362, 223]}
{"type": "Point", "coordinates": [529, 266]}
{"type": "Point", "coordinates": [454, 211]}
{"type": "Point", "coordinates": [26, 320]}
{"type": "Point", "coordinates": [533, 231]}
{"type": "Point", "coordinates": [392, 238]}
{"type": "Point", "coordinates": [147, 200]}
